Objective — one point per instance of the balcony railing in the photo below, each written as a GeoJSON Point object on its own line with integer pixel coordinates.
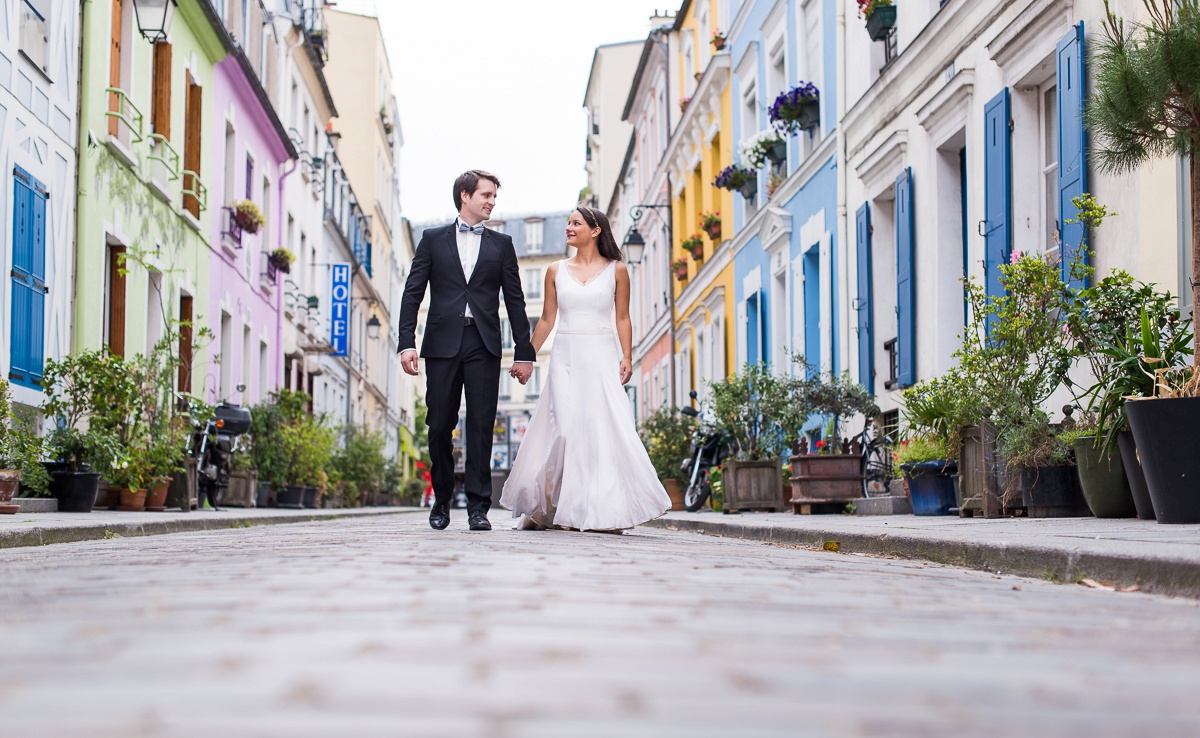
{"type": "Point", "coordinates": [167, 157]}
{"type": "Point", "coordinates": [231, 232]}
{"type": "Point", "coordinates": [193, 188]}
{"type": "Point", "coordinates": [125, 111]}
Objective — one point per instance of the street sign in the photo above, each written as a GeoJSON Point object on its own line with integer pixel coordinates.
{"type": "Point", "coordinates": [340, 305]}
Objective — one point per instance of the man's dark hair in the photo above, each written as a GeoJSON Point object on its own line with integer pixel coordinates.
{"type": "Point", "coordinates": [468, 182]}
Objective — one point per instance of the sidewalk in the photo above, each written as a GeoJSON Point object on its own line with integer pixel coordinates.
{"type": "Point", "coordinates": [39, 529]}
{"type": "Point", "coordinates": [1164, 559]}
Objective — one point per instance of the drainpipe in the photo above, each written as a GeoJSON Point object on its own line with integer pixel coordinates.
{"type": "Point", "coordinates": [279, 288]}
{"type": "Point", "coordinates": [80, 146]}
{"type": "Point", "coordinates": [842, 212]}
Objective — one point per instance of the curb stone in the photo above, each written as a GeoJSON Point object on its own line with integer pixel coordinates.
{"type": "Point", "coordinates": [1158, 574]}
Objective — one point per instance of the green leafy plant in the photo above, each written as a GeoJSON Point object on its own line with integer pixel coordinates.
{"type": "Point", "coordinates": [923, 448]}
{"type": "Point", "coordinates": [716, 487]}
{"type": "Point", "coordinates": [940, 407]}
{"type": "Point", "coordinates": [248, 216]}
{"type": "Point", "coordinates": [359, 461]}
{"type": "Point", "coordinates": [20, 445]}
{"type": "Point", "coordinates": [840, 397]}
{"type": "Point", "coordinates": [760, 411]}
{"type": "Point", "coordinates": [667, 435]}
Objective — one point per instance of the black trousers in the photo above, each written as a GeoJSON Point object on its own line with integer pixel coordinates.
{"type": "Point", "coordinates": [478, 371]}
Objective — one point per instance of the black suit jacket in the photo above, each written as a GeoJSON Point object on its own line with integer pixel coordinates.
{"type": "Point", "coordinates": [436, 264]}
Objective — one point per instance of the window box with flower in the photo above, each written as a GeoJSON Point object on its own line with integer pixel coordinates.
{"type": "Point", "coordinates": [680, 267]}
{"type": "Point", "coordinates": [880, 15]}
{"type": "Point", "coordinates": [718, 40]}
{"type": "Point", "coordinates": [762, 147]}
{"type": "Point", "coordinates": [683, 103]}
{"type": "Point", "coordinates": [798, 109]}
{"type": "Point", "coordinates": [710, 223]}
{"type": "Point", "coordinates": [738, 178]}
{"type": "Point", "coordinates": [694, 245]}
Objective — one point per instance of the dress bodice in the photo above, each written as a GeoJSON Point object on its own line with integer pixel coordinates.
{"type": "Point", "coordinates": [585, 308]}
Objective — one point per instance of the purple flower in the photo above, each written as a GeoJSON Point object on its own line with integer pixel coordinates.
{"type": "Point", "coordinates": [733, 177]}
{"type": "Point", "coordinates": [785, 112]}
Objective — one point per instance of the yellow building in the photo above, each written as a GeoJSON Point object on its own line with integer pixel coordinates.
{"type": "Point", "coordinates": [701, 146]}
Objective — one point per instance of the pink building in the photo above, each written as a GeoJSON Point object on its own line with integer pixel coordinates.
{"type": "Point", "coordinates": [254, 158]}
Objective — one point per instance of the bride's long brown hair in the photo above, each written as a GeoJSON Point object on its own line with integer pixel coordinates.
{"type": "Point", "coordinates": [606, 243]}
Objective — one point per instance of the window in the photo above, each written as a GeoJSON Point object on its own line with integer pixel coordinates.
{"type": "Point", "coordinates": [114, 65]}
{"type": "Point", "coordinates": [534, 230]}
{"type": "Point", "coordinates": [35, 22]}
{"type": "Point", "coordinates": [230, 157]}
{"type": "Point", "coordinates": [506, 341]}
{"type": "Point", "coordinates": [1049, 166]}
{"type": "Point", "coordinates": [532, 286]}
{"type": "Point", "coordinates": [28, 324]}
{"type": "Point", "coordinates": [249, 177]}
{"type": "Point", "coordinates": [160, 95]}
{"type": "Point", "coordinates": [191, 148]}
{"type": "Point", "coordinates": [505, 386]}
{"type": "Point", "coordinates": [495, 225]}
{"type": "Point", "coordinates": [533, 388]}
{"type": "Point", "coordinates": [533, 321]}
{"type": "Point", "coordinates": [154, 311]}
{"type": "Point", "coordinates": [264, 369]}
{"type": "Point", "coordinates": [226, 358]}
{"type": "Point", "coordinates": [247, 354]}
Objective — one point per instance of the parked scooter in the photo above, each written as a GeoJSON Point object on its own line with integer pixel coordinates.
{"type": "Point", "coordinates": [213, 446]}
{"type": "Point", "coordinates": [708, 449]}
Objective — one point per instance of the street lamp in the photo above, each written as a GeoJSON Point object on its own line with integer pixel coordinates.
{"type": "Point", "coordinates": [635, 246]}
{"type": "Point", "coordinates": [153, 18]}
{"type": "Point", "coordinates": [373, 326]}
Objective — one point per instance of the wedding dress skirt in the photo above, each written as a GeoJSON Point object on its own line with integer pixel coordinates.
{"type": "Point", "coordinates": [581, 464]}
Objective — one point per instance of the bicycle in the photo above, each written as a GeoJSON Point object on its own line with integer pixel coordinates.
{"type": "Point", "coordinates": [878, 470]}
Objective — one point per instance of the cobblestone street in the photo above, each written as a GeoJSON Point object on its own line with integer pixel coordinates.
{"type": "Point", "coordinates": [380, 626]}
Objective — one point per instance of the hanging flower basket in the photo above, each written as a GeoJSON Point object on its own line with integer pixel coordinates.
{"type": "Point", "coordinates": [694, 245]}
{"type": "Point", "coordinates": [282, 258]}
{"type": "Point", "coordinates": [718, 40]}
{"type": "Point", "coordinates": [680, 267]}
{"type": "Point", "coordinates": [735, 178]}
{"type": "Point", "coordinates": [798, 109]}
{"type": "Point", "coordinates": [777, 154]}
{"type": "Point", "coordinates": [683, 103]}
{"type": "Point", "coordinates": [247, 216]}
{"type": "Point", "coordinates": [760, 148]}
{"type": "Point", "coordinates": [881, 17]}
{"type": "Point", "coordinates": [749, 189]}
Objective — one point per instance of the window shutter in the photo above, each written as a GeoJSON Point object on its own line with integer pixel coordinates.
{"type": "Point", "coordinates": [28, 327]}
{"type": "Point", "coordinates": [997, 192]}
{"type": "Point", "coordinates": [906, 295]}
{"type": "Point", "coordinates": [191, 144]}
{"type": "Point", "coordinates": [114, 65]}
{"type": "Point", "coordinates": [1072, 148]}
{"type": "Point", "coordinates": [161, 103]}
{"type": "Point", "coordinates": [866, 339]}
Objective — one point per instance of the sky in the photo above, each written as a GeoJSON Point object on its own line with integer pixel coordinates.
{"type": "Point", "coordinates": [497, 85]}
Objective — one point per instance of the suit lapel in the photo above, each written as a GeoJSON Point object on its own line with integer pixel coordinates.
{"type": "Point", "coordinates": [452, 251]}
{"type": "Point", "coordinates": [486, 244]}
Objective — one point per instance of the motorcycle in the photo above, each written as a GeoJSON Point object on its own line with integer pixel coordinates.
{"type": "Point", "coordinates": [213, 446]}
{"type": "Point", "coordinates": [708, 449]}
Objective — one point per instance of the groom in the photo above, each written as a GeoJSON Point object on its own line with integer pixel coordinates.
{"type": "Point", "coordinates": [465, 266]}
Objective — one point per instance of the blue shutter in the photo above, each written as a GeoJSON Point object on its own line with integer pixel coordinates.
{"type": "Point", "coordinates": [812, 309]}
{"type": "Point", "coordinates": [906, 283]}
{"type": "Point", "coordinates": [866, 338]}
{"type": "Point", "coordinates": [997, 191]}
{"type": "Point", "coordinates": [28, 280]}
{"type": "Point", "coordinates": [1072, 147]}
{"type": "Point", "coordinates": [752, 331]}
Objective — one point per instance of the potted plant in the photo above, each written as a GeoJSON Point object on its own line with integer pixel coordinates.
{"type": "Point", "coordinates": [718, 40]}
{"type": "Point", "coordinates": [880, 15]}
{"type": "Point", "coordinates": [694, 245]}
{"type": "Point", "coordinates": [760, 412]}
{"type": "Point", "coordinates": [762, 147]}
{"type": "Point", "coordinates": [308, 447]}
{"type": "Point", "coordinates": [737, 178]}
{"type": "Point", "coordinates": [282, 258]}
{"type": "Point", "coordinates": [710, 223]}
{"type": "Point", "coordinates": [798, 109]}
{"type": "Point", "coordinates": [20, 454]}
{"type": "Point", "coordinates": [1105, 328]}
{"type": "Point", "coordinates": [268, 452]}
{"type": "Point", "coordinates": [680, 267]}
{"type": "Point", "coordinates": [359, 464]}
{"type": "Point", "coordinates": [1101, 471]}
{"type": "Point", "coordinates": [70, 385]}
{"type": "Point", "coordinates": [247, 216]}
{"type": "Point", "coordinates": [1166, 434]}
{"type": "Point", "coordinates": [929, 471]}
{"type": "Point", "coordinates": [243, 480]}
{"type": "Point", "coordinates": [683, 103]}
{"type": "Point", "coordinates": [667, 435]}
{"type": "Point", "coordinates": [833, 472]}
{"type": "Point", "coordinates": [934, 412]}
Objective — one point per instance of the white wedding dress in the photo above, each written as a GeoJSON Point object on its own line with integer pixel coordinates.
{"type": "Point", "coordinates": [581, 464]}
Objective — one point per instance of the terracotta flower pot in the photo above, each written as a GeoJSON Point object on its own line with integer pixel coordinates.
{"type": "Point", "coordinates": [674, 492]}
{"type": "Point", "coordinates": [156, 495]}
{"type": "Point", "coordinates": [10, 479]}
{"type": "Point", "coordinates": [132, 500]}
{"type": "Point", "coordinates": [714, 233]}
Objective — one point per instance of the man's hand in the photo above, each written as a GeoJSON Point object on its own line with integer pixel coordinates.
{"type": "Point", "coordinates": [408, 360]}
{"type": "Point", "coordinates": [521, 371]}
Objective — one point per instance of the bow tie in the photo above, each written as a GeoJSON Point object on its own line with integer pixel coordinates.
{"type": "Point", "coordinates": [463, 228]}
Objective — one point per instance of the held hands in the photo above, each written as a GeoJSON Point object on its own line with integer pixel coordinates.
{"type": "Point", "coordinates": [521, 371]}
{"type": "Point", "coordinates": [626, 371]}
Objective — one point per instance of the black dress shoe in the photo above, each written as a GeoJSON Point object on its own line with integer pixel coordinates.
{"type": "Point", "coordinates": [479, 521]}
{"type": "Point", "coordinates": [439, 515]}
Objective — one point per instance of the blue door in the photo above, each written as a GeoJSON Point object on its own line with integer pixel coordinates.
{"type": "Point", "coordinates": [28, 328]}
{"type": "Point", "coordinates": [1072, 150]}
{"type": "Point", "coordinates": [997, 192]}
{"type": "Point", "coordinates": [906, 283]}
{"type": "Point", "coordinates": [812, 309]}
{"type": "Point", "coordinates": [866, 337]}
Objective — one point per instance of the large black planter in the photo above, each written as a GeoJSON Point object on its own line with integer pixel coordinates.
{"type": "Point", "coordinates": [931, 487]}
{"type": "Point", "coordinates": [1103, 481]}
{"type": "Point", "coordinates": [881, 22]}
{"type": "Point", "coordinates": [289, 497]}
{"type": "Point", "coordinates": [1135, 475]}
{"type": "Point", "coordinates": [263, 494]}
{"type": "Point", "coordinates": [312, 496]}
{"type": "Point", "coordinates": [1052, 492]}
{"type": "Point", "coordinates": [1167, 433]}
{"type": "Point", "coordinates": [75, 491]}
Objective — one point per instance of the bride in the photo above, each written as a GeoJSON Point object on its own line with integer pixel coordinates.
{"type": "Point", "coordinates": [581, 464]}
